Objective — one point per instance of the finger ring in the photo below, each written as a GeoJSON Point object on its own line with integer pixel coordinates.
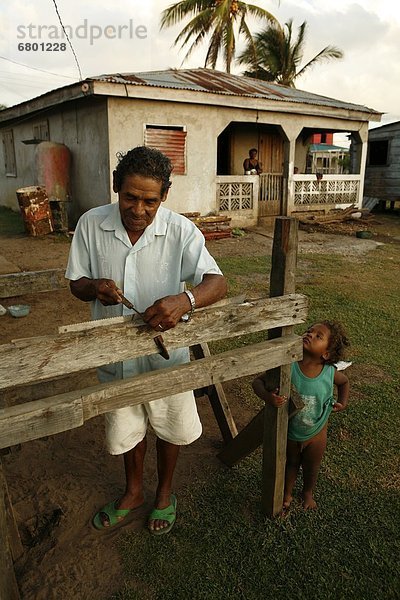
{"type": "Point", "coordinates": [160, 327]}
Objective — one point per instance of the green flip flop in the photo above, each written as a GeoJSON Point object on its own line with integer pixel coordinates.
{"type": "Point", "coordinates": [164, 514]}
{"type": "Point", "coordinates": [115, 516]}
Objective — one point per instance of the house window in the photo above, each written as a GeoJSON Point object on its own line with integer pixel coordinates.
{"type": "Point", "coordinates": [171, 141]}
{"type": "Point", "coordinates": [41, 131]}
{"type": "Point", "coordinates": [9, 153]}
{"type": "Point", "coordinates": [378, 152]}
{"type": "Point", "coordinates": [323, 138]}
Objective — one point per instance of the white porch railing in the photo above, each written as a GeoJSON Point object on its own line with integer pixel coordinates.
{"type": "Point", "coordinates": [235, 192]}
{"type": "Point", "coordinates": [330, 190]}
{"type": "Point", "coordinates": [246, 197]}
{"type": "Point", "coordinates": [237, 195]}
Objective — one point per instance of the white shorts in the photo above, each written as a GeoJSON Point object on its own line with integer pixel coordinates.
{"type": "Point", "coordinates": [173, 418]}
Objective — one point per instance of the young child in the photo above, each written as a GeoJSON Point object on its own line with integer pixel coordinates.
{"type": "Point", "coordinates": [313, 379]}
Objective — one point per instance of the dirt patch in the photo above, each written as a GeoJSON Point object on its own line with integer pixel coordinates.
{"type": "Point", "coordinates": [58, 483]}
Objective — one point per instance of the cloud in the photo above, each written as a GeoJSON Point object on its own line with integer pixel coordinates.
{"type": "Point", "coordinates": [367, 32]}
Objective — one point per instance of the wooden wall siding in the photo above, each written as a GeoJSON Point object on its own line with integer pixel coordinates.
{"type": "Point", "coordinates": [9, 153]}
{"type": "Point", "coordinates": [29, 360]}
{"type": "Point", "coordinates": [172, 142]}
{"type": "Point", "coordinates": [383, 181]}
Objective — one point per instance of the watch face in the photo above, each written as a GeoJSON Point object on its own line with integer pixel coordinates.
{"type": "Point", "coordinates": [185, 318]}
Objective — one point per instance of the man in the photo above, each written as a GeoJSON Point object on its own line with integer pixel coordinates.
{"type": "Point", "coordinates": [140, 249]}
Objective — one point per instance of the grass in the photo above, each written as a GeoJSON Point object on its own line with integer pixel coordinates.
{"type": "Point", "coordinates": [222, 547]}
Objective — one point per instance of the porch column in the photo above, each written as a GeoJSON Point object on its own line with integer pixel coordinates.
{"type": "Point", "coordinates": [292, 131]}
{"type": "Point", "coordinates": [363, 133]}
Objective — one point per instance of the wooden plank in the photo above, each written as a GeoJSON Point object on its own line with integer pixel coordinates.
{"type": "Point", "coordinates": [282, 281]}
{"type": "Point", "coordinates": [42, 358]}
{"type": "Point", "coordinates": [248, 440]}
{"type": "Point", "coordinates": [218, 400]}
{"type": "Point", "coordinates": [8, 583]}
{"type": "Point", "coordinates": [60, 413]}
{"type": "Point", "coordinates": [29, 282]}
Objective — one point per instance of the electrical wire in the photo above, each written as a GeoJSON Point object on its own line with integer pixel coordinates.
{"type": "Point", "coordinates": [69, 41]}
{"type": "Point", "coordinates": [35, 68]}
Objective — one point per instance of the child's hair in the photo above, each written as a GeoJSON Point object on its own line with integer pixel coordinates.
{"type": "Point", "coordinates": [338, 341]}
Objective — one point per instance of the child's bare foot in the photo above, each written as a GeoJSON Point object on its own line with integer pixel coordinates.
{"type": "Point", "coordinates": [308, 501]}
{"type": "Point", "coordinates": [287, 500]}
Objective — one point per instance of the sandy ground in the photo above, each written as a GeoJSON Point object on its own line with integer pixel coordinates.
{"type": "Point", "coordinates": [58, 483]}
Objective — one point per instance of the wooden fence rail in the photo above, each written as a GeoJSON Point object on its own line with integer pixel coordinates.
{"type": "Point", "coordinates": [27, 362]}
{"type": "Point", "coordinates": [29, 282]}
{"type": "Point", "coordinates": [40, 418]}
{"type": "Point", "coordinates": [41, 358]}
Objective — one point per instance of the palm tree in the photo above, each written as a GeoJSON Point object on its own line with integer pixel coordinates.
{"type": "Point", "coordinates": [273, 56]}
{"type": "Point", "coordinates": [220, 19]}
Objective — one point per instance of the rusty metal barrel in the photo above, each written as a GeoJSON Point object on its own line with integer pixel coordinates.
{"type": "Point", "coordinates": [35, 209]}
{"type": "Point", "coordinates": [53, 161]}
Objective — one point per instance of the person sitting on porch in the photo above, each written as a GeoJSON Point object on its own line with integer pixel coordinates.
{"type": "Point", "coordinates": [251, 165]}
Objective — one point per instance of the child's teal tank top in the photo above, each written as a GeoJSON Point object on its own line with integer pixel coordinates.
{"type": "Point", "coordinates": [317, 395]}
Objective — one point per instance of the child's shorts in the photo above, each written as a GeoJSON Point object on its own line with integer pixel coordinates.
{"type": "Point", "coordinates": [174, 419]}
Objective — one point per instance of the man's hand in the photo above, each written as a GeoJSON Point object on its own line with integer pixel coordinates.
{"type": "Point", "coordinates": [104, 290]}
{"type": "Point", "coordinates": [107, 292]}
{"type": "Point", "coordinates": [166, 312]}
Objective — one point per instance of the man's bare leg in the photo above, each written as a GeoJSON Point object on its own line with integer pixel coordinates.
{"type": "Point", "coordinates": [133, 495]}
{"type": "Point", "coordinates": [293, 460]}
{"type": "Point", "coordinates": [311, 460]}
{"type": "Point", "coordinates": [167, 455]}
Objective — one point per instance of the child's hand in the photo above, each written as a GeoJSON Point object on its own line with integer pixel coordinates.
{"type": "Point", "coordinates": [337, 407]}
{"type": "Point", "coordinates": [275, 400]}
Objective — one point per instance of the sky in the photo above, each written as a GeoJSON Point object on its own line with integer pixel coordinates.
{"type": "Point", "coordinates": [126, 37]}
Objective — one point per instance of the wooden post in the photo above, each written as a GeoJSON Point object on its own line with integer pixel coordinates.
{"type": "Point", "coordinates": [284, 253]}
{"type": "Point", "coordinates": [283, 269]}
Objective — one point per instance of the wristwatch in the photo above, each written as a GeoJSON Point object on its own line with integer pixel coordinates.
{"type": "Point", "coordinates": [186, 317]}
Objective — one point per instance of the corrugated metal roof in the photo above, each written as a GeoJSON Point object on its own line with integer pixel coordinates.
{"type": "Point", "coordinates": [394, 125]}
{"type": "Point", "coordinates": [327, 148]}
{"type": "Point", "coordinates": [219, 82]}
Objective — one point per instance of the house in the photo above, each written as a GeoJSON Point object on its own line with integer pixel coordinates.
{"type": "Point", "coordinates": [206, 121]}
{"type": "Point", "coordinates": [325, 157]}
{"type": "Point", "coordinates": [382, 174]}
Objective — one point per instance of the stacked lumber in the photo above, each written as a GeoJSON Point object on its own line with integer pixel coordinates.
{"type": "Point", "coordinates": [213, 227]}
{"type": "Point", "coordinates": [334, 216]}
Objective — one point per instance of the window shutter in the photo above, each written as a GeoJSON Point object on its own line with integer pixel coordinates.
{"type": "Point", "coordinates": [9, 153]}
{"type": "Point", "coordinates": [41, 131]}
{"type": "Point", "coordinates": [171, 141]}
